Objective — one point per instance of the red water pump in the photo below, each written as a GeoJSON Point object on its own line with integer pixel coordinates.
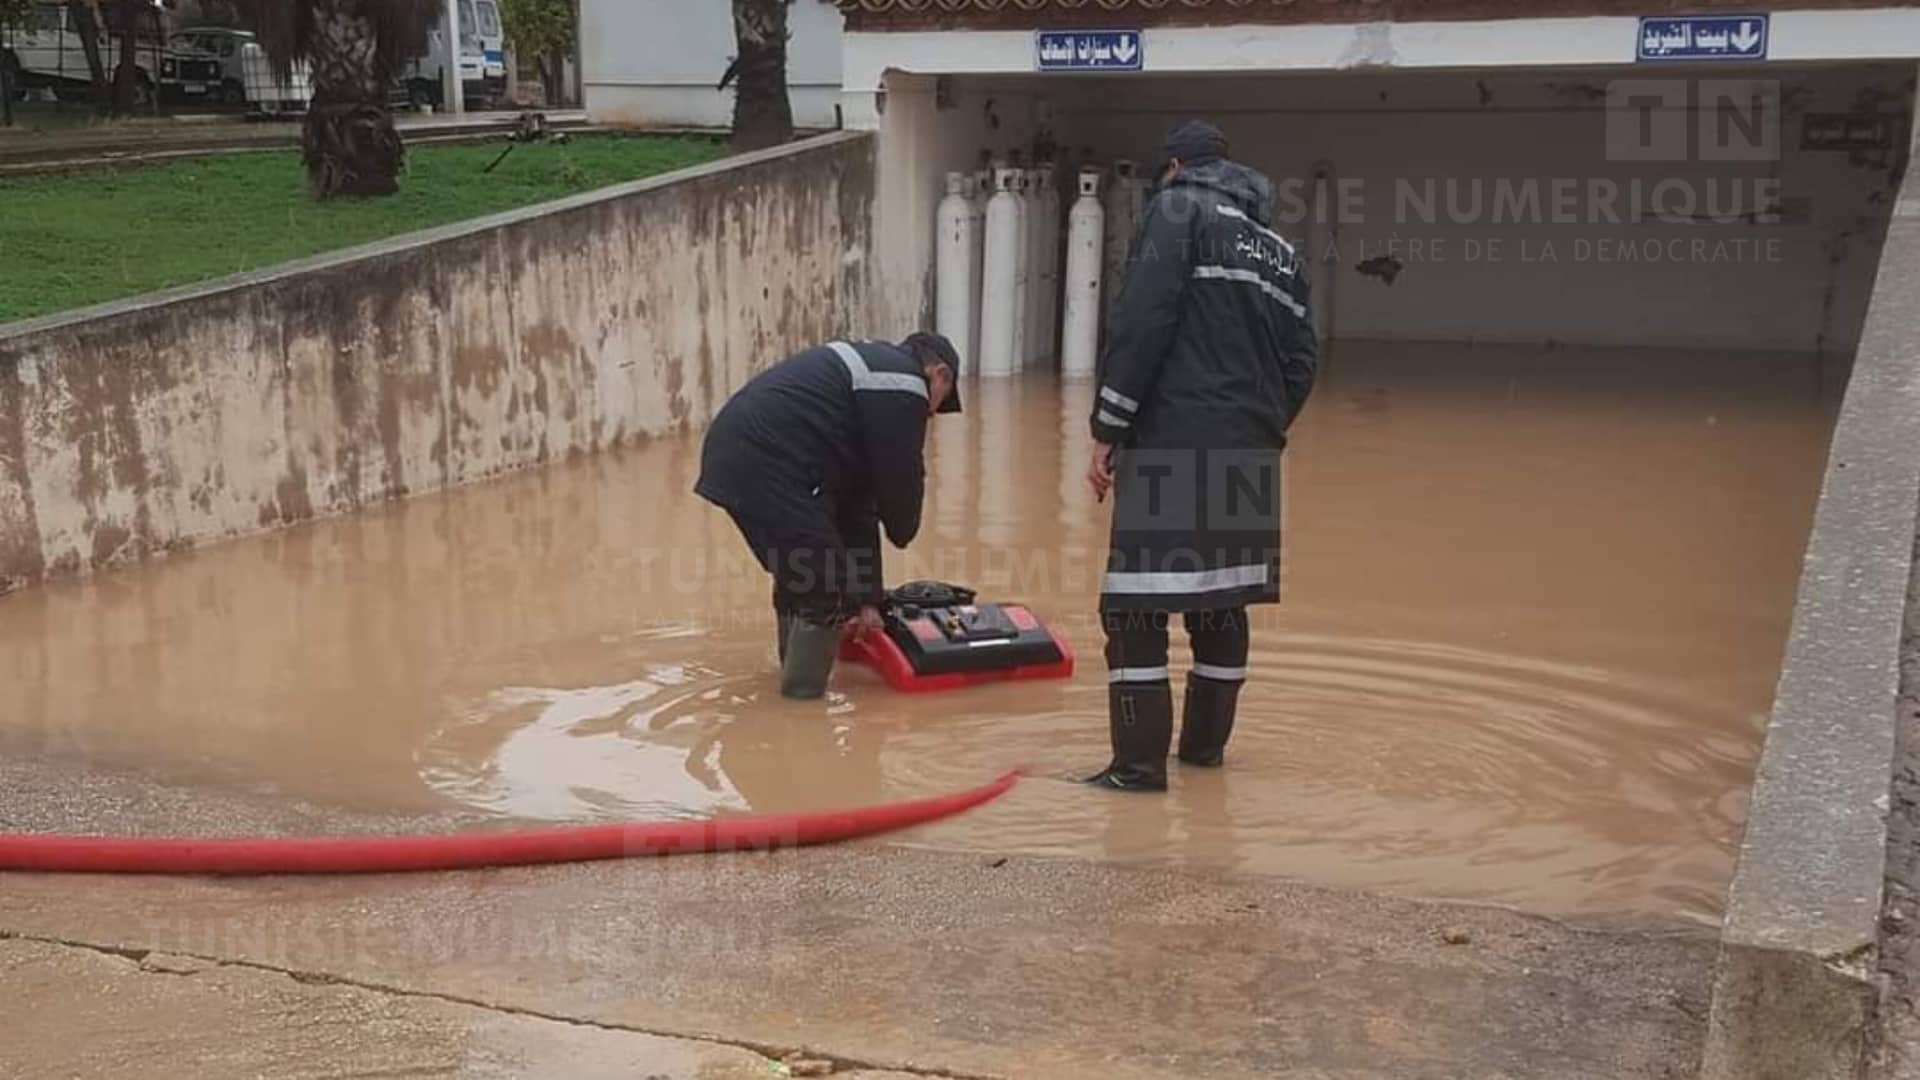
{"type": "Point", "coordinates": [935, 636]}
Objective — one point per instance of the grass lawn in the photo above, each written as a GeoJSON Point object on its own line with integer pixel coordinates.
{"type": "Point", "coordinates": [67, 240]}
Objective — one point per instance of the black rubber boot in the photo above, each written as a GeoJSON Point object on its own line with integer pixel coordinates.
{"type": "Point", "coordinates": [808, 658]}
{"type": "Point", "coordinates": [1140, 721]}
{"type": "Point", "coordinates": [1208, 722]}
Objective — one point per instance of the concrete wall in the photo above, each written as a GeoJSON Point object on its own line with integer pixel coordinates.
{"type": "Point", "coordinates": [656, 62]}
{"type": "Point", "coordinates": [421, 362]}
{"type": "Point", "coordinates": [1796, 988]}
{"type": "Point", "coordinates": [1397, 146]}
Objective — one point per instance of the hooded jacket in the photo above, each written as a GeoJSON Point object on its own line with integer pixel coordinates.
{"type": "Point", "coordinates": [1210, 356]}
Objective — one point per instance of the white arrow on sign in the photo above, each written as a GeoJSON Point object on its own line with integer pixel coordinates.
{"type": "Point", "coordinates": [1745, 38]}
{"type": "Point", "coordinates": [1125, 49]}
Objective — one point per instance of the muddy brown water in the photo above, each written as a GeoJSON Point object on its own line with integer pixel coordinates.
{"type": "Point", "coordinates": [1535, 605]}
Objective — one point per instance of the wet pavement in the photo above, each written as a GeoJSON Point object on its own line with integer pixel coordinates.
{"type": "Point", "coordinates": [867, 955]}
{"type": "Point", "coordinates": [184, 1016]}
{"type": "Point", "coordinates": [1534, 606]}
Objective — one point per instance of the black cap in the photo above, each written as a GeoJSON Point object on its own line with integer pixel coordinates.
{"type": "Point", "coordinates": [942, 348]}
{"type": "Point", "coordinates": [1195, 142]}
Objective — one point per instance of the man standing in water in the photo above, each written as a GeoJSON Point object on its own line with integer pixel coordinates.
{"type": "Point", "coordinates": [810, 459]}
{"type": "Point", "coordinates": [1210, 357]}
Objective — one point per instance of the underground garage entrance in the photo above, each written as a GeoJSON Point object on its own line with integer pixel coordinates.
{"type": "Point", "coordinates": [1584, 333]}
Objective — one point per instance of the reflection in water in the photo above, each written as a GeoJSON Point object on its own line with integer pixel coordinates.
{"type": "Point", "coordinates": [1076, 443]}
{"type": "Point", "coordinates": [668, 764]}
{"type": "Point", "coordinates": [1534, 607]}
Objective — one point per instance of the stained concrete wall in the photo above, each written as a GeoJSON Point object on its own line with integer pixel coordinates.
{"type": "Point", "coordinates": [422, 362]}
{"type": "Point", "coordinates": [1796, 987]}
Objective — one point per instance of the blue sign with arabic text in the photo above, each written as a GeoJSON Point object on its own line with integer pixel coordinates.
{"type": "Point", "coordinates": [1702, 37]}
{"type": "Point", "coordinates": [1088, 50]}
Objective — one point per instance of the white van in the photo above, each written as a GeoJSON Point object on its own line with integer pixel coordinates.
{"type": "Point", "coordinates": [493, 43]}
{"type": "Point", "coordinates": [483, 68]}
{"type": "Point", "coordinates": [50, 53]}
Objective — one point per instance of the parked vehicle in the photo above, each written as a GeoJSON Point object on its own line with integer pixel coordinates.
{"type": "Point", "coordinates": [245, 75]}
{"type": "Point", "coordinates": [493, 46]}
{"type": "Point", "coordinates": [50, 53]}
{"type": "Point", "coordinates": [226, 47]}
{"type": "Point", "coordinates": [483, 67]}
{"type": "Point", "coordinates": [188, 75]}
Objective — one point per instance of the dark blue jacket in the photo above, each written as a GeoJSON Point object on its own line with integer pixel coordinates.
{"type": "Point", "coordinates": [1210, 356]}
{"type": "Point", "coordinates": [830, 438]}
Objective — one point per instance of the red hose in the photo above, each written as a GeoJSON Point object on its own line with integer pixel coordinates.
{"type": "Point", "coordinates": [457, 851]}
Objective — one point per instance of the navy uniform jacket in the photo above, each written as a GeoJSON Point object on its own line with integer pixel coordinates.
{"type": "Point", "coordinates": [1210, 356]}
{"type": "Point", "coordinates": [826, 445]}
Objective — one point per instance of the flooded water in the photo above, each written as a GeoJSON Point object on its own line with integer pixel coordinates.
{"type": "Point", "coordinates": [1535, 604]}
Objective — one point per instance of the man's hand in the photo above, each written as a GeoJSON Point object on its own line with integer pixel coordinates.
{"type": "Point", "coordinates": [869, 620]}
{"type": "Point", "coordinates": [1100, 471]}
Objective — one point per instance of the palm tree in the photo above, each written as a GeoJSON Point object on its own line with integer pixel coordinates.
{"type": "Point", "coordinates": [762, 115]}
{"type": "Point", "coordinates": [12, 13]}
{"type": "Point", "coordinates": [87, 20]}
{"type": "Point", "coordinates": [353, 48]}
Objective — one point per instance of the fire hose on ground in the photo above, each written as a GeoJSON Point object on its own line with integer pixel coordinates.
{"type": "Point", "coordinates": [463, 851]}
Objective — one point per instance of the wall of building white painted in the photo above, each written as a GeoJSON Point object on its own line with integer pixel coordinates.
{"type": "Point", "coordinates": [1867, 34]}
{"type": "Point", "coordinates": [1591, 270]}
{"type": "Point", "coordinates": [655, 62]}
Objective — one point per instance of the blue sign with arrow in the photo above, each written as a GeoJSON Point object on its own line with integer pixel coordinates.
{"type": "Point", "coordinates": [1088, 50]}
{"type": "Point", "coordinates": [1702, 37]}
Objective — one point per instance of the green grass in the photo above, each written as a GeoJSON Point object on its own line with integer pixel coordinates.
{"type": "Point", "coordinates": [81, 238]}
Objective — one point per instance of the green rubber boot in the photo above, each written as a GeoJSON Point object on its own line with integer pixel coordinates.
{"type": "Point", "coordinates": [807, 657]}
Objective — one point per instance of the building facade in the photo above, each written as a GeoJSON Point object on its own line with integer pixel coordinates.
{"type": "Point", "coordinates": [658, 62]}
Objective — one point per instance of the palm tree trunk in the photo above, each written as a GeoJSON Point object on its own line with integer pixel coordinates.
{"type": "Point", "coordinates": [86, 22]}
{"type": "Point", "coordinates": [762, 115]}
{"type": "Point", "coordinates": [349, 142]}
{"type": "Point", "coordinates": [126, 77]}
{"type": "Point", "coordinates": [6, 84]}
{"type": "Point", "coordinates": [553, 69]}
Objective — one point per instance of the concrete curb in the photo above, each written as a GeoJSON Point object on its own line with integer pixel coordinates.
{"type": "Point", "coordinates": [114, 145]}
{"type": "Point", "coordinates": [1795, 990]}
{"type": "Point", "coordinates": [136, 158]}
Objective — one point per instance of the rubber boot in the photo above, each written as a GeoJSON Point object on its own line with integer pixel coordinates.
{"type": "Point", "coordinates": [809, 658]}
{"type": "Point", "coordinates": [781, 624]}
{"type": "Point", "coordinates": [1208, 722]}
{"type": "Point", "coordinates": [1140, 721]}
